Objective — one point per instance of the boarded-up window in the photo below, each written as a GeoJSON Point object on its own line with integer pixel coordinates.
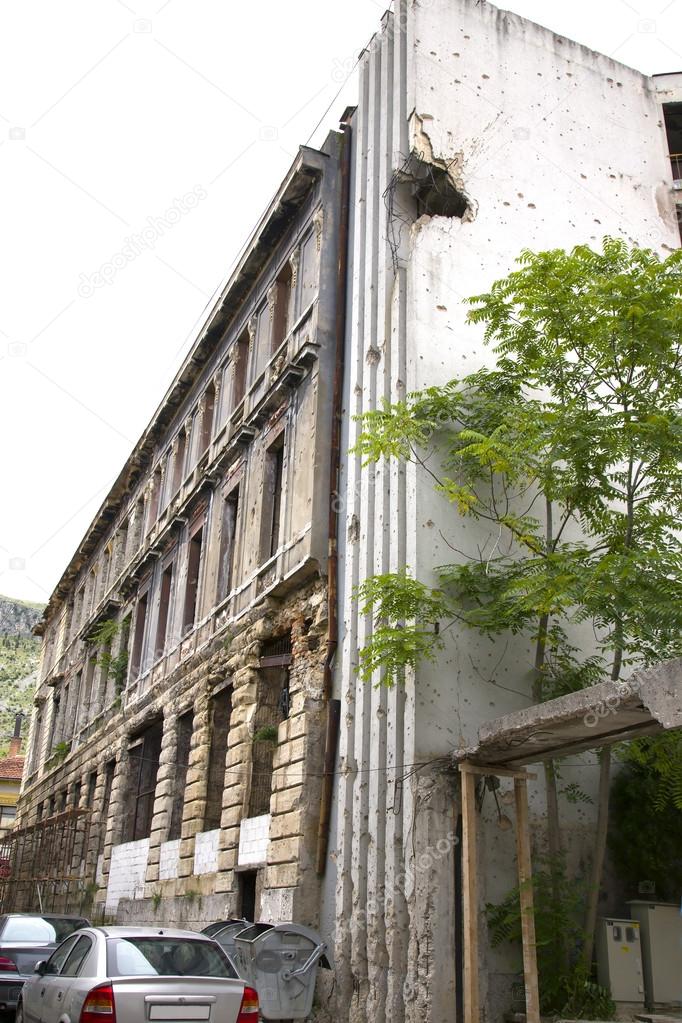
{"type": "Point", "coordinates": [144, 755]}
{"type": "Point", "coordinates": [220, 710]}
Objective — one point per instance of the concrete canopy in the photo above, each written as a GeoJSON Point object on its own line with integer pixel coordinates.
{"type": "Point", "coordinates": [650, 701]}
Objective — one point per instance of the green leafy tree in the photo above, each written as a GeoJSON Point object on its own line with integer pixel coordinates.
{"type": "Point", "coordinates": [569, 451]}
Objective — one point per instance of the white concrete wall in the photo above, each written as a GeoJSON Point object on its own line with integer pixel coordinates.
{"type": "Point", "coordinates": [254, 835]}
{"type": "Point", "coordinates": [553, 146]}
{"type": "Point", "coordinates": [126, 873]}
{"type": "Point", "coordinates": [169, 855]}
{"type": "Point", "coordinates": [206, 852]}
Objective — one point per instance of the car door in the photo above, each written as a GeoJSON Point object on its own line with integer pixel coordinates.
{"type": "Point", "coordinates": [37, 988]}
{"type": "Point", "coordinates": [59, 987]}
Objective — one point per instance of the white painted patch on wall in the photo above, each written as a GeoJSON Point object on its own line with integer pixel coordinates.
{"type": "Point", "coordinates": [277, 905]}
{"type": "Point", "coordinates": [168, 860]}
{"type": "Point", "coordinates": [254, 836]}
{"type": "Point", "coordinates": [206, 852]}
{"type": "Point", "coordinates": [127, 873]}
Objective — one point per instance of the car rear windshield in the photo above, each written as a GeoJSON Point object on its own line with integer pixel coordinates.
{"type": "Point", "coordinates": [42, 930]}
{"type": "Point", "coordinates": [166, 957]}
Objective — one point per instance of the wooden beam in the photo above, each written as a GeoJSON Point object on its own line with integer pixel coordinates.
{"type": "Point", "coordinates": [530, 963]}
{"type": "Point", "coordinates": [499, 772]}
{"type": "Point", "coordinates": [470, 897]}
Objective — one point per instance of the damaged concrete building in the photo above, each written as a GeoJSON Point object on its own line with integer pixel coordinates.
{"type": "Point", "coordinates": [180, 710]}
{"type": "Point", "coordinates": [208, 764]}
{"type": "Point", "coordinates": [477, 134]}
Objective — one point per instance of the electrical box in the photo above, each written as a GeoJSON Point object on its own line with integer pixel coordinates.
{"type": "Point", "coordinates": [619, 959]}
{"type": "Point", "coordinates": [661, 932]}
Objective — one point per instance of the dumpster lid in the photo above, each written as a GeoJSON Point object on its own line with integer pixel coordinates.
{"type": "Point", "coordinates": [252, 932]}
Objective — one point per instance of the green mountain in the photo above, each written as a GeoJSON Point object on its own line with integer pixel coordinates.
{"type": "Point", "coordinates": [19, 658]}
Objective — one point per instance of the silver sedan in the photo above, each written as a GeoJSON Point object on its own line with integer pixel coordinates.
{"type": "Point", "coordinates": [135, 975]}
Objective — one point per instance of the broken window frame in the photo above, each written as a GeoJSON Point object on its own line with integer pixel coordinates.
{"type": "Point", "coordinates": [184, 733]}
{"type": "Point", "coordinates": [193, 571]}
{"type": "Point", "coordinates": [145, 749]}
{"type": "Point", "coordinates": [166, 606]}
{"type": "Point", "coordinates": [220, 718]}
{"type": "Point", "coordinates": [272, 504]}
{"type": "Point", "coordinates": [229, 530]}
{"type": "Point", "coordinates": [140, 631]}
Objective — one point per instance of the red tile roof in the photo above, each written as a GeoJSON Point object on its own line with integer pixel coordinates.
{"type": "Point", "coordinates": [11, 767]}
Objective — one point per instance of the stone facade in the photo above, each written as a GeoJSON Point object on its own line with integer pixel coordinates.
{"type": "Point", "coordinates": [181, 702]}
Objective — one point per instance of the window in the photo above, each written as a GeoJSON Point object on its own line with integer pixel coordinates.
{"type": "Point", "coordinates": [164, 607]}
{"type": "Point", "coordinates": [240, 355]}
{"type": "Point", "coordinates": [92, 784]}
{"type": "Point", "coordinates": [58, 957]}
{"type": "Point", "coordinates": [41, 929]}
{"type": "Point", "coordinates": [166, 957]}
{"type": "Point", "coordinates": [192, 584]}
{"type": "Point", "coordinates": [672, 113]}
{"type": "Point", "coordinates": [109, 769]}
{"type": "Point", "coordinates": [77, 957]}
{"type": "Point", "coordinates": [272, 498]}
{"type": "Point", "coordinates": [144, 756]}
{"type": "Point", "coordinates": [272, 707]}
{"type": "Point", "coordinates": [138, 641]}
{"type": "Point", "coordinates": [77, 790]}
{"type": "Point", "coordinates": [282, 304]}
{"type": "Point", "coordinates": [184, 743]}
{"type": "Point", "coordinates": [220, 711]}
{"type": "Point", "coordinates": [207, 418]}
{"type": "Point", "coordinates": [179, 463]}
{"type": "Point", "coordinates": [228, 533]}
{"type": "Point", "coordinates": [86, 708]}
{"type": "Point", "coordinates": [154, 500]}
{"type": "Point", "coordinates": [7, 816]}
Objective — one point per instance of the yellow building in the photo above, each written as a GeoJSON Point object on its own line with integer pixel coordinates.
{"type": "Point", "coordinates": [11, 770]}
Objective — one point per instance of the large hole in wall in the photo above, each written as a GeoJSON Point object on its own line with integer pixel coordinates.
{"type": "Point", "coordinates": [436, 194]}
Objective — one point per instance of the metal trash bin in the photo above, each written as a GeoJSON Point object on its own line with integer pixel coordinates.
{"type": "Point", "coordinates": [225, 935]}
{"type": "Point", "coordinates": [281, 962]}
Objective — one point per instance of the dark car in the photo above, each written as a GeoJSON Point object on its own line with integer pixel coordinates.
{"type": "Point", "coordinates": [25, 939]}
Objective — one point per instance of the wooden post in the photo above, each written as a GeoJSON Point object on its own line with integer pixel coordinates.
{"type": "Point", "coordinates": [470, 896]}
{"type": "Point", "coordinates": [530, 963]}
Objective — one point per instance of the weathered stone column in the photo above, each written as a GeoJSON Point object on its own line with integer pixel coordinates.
{"type": "Point", "coordinates": [195, 788]}
{"type": "Point", "coordinates": [163, 794]}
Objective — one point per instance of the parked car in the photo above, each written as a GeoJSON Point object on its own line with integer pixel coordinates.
{"type": "Point", "coordinates": [25, 938]}
{"type": "Point", "coordinates": [130, 974]}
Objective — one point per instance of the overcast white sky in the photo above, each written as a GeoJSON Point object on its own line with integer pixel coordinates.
{"type": "Point", "coordinates": [110, 112]}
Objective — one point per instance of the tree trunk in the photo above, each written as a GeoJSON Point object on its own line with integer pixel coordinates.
{"type": "Point", "coordinates": [599, 855]}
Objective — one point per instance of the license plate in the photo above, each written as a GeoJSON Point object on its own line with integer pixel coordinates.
{"type": "Point", "coordinates": [179, 1012]}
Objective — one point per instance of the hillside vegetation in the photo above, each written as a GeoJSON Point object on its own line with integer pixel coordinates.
{"type": "Point", "coordinates": [19, 657]}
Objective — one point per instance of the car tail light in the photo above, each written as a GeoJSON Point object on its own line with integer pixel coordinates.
{"type": "Point", "coordinates": [98, 1003]}
{"type": "Point", "coordinates": [248, 1012]}
{"type": "Point", "coordinates": [7, 965]}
